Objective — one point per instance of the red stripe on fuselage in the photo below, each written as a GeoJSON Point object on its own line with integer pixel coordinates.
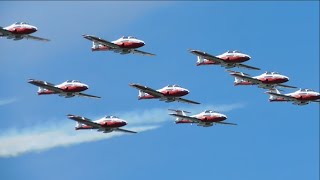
{"type": "Point", "coordinates": [273, 80]}
{"type": "Point", "coordinates": [167, 93]}
{"type": "Point", "coordinates": [106, 124]}
{"type": "Point", "coordinates": [130, 45]}
{"type": "Point", "coordinates": [212, 118]}
{"type": "Point", "coordinates": [73, 88]}
{"type": "Point", "coordinates": [22, 30]}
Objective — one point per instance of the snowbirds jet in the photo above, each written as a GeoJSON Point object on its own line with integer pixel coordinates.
{"type": "Point", "coordinates": [267, 80]}
{"type": "Point", "coordinates": [206, 118]}
{"type": "Point", "coordinates": [20, 30]}
{"type": "Point", "coordinates": [123, 45]}
{"type": "Point", "coordinates": [168, 93]}
{"type": "Point", "coordinates": [106, 124]}
{"type": "Point", "coordinates": [229, 59]}
{"type": "Point", "coordinates": [300, 97]}
{"type": "Point", "coordinates": [67, 89]}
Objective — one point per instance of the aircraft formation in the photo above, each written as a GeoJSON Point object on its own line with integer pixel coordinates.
{"type": "Point", "coordinates": [170, 93]}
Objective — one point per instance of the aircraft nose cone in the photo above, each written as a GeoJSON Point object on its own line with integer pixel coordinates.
{"type": "Point", "coordinates": [141, 43]}
{"type": "Point", "coordinates": [186, 91]}
{"type": "Point", "coordinates": [86, 86]}
{"type": "Point", "coordinates": [34, 28]}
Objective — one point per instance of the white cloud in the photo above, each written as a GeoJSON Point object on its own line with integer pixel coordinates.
{"type": "Point", "coordinates": [7, 101]}
{"type": "Point", "coordinates": [15, 142]}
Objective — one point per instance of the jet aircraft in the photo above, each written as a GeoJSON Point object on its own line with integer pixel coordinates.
{"type": "Point", "coordinates": [66, 89]}
{"type": "Point", "coordinates": [229, 59]}
{"type": "Point", "coordinates": [106, 124]}
{"type": "Point", "coordinates": [266, 80]}
{"type": "Point", "coordinates": [206, 118]}
{"type": "Point", "coordinates": [20, 30]}
{"type": "Point", "coordinates": [168, 93]}
{"type": "Point", "coordinates": [300, 97]}
{"type": "Point", "coordinates": [123, 45]}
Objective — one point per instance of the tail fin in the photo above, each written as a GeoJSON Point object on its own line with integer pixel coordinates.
{"type": "Point", "coordinates": [237, 80]}
{"type": "Point", "coordinates": [96, 45]}
{"type": "Point", "coordinates": [78, 126]}
{"type": "Point", "coordinates": [41, 90]}
{"type": "Point", "coordinates": [142, 94]}
{"type": "Point", "coordinates": [179, 112]}
{"type": "Point", "coordinates": [273, 97]}
{"type": "Point", "coordinates": [200, 60]}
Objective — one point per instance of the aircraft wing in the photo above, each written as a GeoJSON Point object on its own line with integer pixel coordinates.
{"type": "Point", "coordinates": [247, 78]}
{"type": "Point", "coordinates": [207, 56]}
{"type": "Point", "coordinates": [219, 122]}
{"type": "Point", "coordinates": [148, 90]}
{"type": "Point", "coordinates": [88, 95]}
{"type": "Point", "coordinates": [135, 51]}
{"type": "Point", "coordinates": [124, 130]}
{"type": "Point", "coordinates": [318, 101]}
{"type": "Point", "coordinates": [45, 85]}
{"type": "Point", "coordinates": [35, 38]}
{"type": "Point", "coordinates": [286, 86]}
{"type": "Point", "coordinates": [84, 120]}
{"type": "Point", "coordinates": [186, 101]}
{"type": "Point", "coordinates": [187, 117]}
{"type": "Point", "coordinates": [283, 96]}
{"type": "Point", "coordinates": [101, 41]}
{"type": "Point", "coordinates": [247, 67]}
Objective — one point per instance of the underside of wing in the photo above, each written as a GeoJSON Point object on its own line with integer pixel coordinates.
{"type": "Point", "coordinates": [248, 67]}
{"type": "Point", "coordinates": [148, 90]}
{"type": "Point", "coordinates": [124, 130]}
{"type": "Point", "coordinates": [318, 101]}
{"type": "Point", "coordinates": [286, 86]}
{"type": "Point", "coordinates": [101, 41]}
{"type": "Point", "coordinates": [45, 85]}
{"type": "Point", "coordinates": [88, 95]}
{"type": "Point", "coordinates": [219, 122]}
{"type": "Point", "coordinates": [187, 117]}
{"type": "Point", "coordinates": [35, 38]}
{"type": "Point", "coordinates": [186, 101]}
{"type": "Point", "coordinates": [84, 120]}
{"type": "Point", "coordinates": [135, 51]}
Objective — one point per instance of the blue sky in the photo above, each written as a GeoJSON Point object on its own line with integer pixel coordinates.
{"type": "Point", "coordinates": [272, 140]}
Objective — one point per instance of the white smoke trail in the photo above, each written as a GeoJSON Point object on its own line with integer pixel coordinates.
{"type": "Point", "coordinates": [7, 101]}
{"type": "Point", "coordinates": [16, 142]}
{"type": "Point", "coordinates": [39, 138]}
{"type": "Point", "coordinates": [157, 115]}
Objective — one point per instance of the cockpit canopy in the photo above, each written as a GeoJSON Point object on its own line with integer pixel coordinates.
{"type": "Point", "coordinates": [209, 111]}
{"type": "Point", "coordinates": [128, 37]}
{"type": "Point", "coordinates": [307, 90]}
{"type": "Point", "coordinates": [174, 85]}
{"type": "Point", "coordinates": [73, 81]}
{"type": "Point", "coordinates": [21, 23]}
{"type": "Point", "coordinates": [271, 73]}
{"type": "Point", "coordinates": [112, 117]}
{"type": "Point", "coordinates": [234, 51]}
